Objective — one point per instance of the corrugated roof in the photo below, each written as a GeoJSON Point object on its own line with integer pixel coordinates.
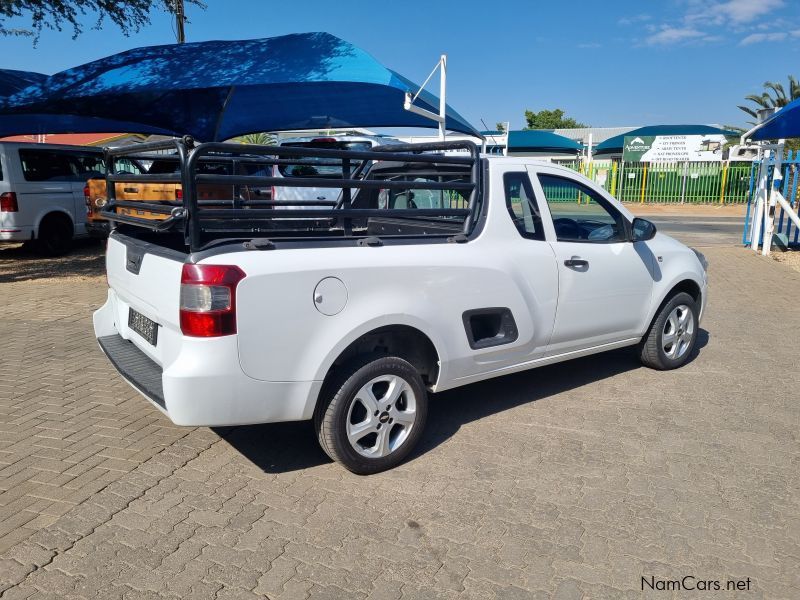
{"type": "Point", "coordinates": [69, 139]}
{"type": "Point", "coordinates": [599, 134]}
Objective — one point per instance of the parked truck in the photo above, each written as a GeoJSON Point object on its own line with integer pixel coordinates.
{"type": "Point", "coordinates": [96, 196]}
{"type": "Point", "coordinates": [436, 269]}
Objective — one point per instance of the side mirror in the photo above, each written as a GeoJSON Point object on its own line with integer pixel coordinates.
{"type": "Point", "coordinates": [643, 230]}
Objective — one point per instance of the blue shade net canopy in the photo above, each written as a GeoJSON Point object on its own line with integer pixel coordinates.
{"type": "Point", "coordinates": [12, 82]}
{"type": "Point", "coordinates": [221, 89]}
{"type": "Point", "coordinates": [615, 144]}
{"type": "Point", "coordinates": [783, 124]}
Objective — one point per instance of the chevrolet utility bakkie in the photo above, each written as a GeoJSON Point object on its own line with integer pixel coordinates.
{"type": "Point", "coordinates": [433, 268]}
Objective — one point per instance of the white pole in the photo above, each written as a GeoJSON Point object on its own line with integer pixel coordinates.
{"type": "Point", "coordinates": [442, 96]}
{"type": "Point", "coordinates": [769, 207]}
{"type": "Point", "coordinates": [758, 209]}
{"type": "Point", "coordinates": [508, 137]}
{"type": "Point", "coordinates": [589, 149]}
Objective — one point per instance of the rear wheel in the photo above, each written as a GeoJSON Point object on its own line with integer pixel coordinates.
{"type": "Point", "coordinates": [373, 414]}
{"type": "Point", "coordinates": [672, 336]}
{"type": "Point", "coordinates": [55, 235]}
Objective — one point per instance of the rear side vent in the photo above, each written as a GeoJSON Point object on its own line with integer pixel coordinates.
{"type": "Point", "coordinates": [487, 327]}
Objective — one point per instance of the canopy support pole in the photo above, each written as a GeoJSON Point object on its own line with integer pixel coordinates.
{"type": "Point", "coordinates": [767, 196]}
{"type": "Point", "coordinates": [759, 200]}
{"type": "Point", "coordinates": [442, 95]}
{"type": "Point", "coordinates": [408, 104]}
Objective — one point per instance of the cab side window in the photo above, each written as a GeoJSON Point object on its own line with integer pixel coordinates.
{"type": "Point", "coordinates": [580, 214]}
{"type": "Point", "coordinates": [42, 165]}
{"type": "Point", "coordinates": [87, 166]}
{"type": "Point", "coordinates": [522, 205]}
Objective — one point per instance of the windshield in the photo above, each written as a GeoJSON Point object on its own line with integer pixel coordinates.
{"type": "Point", "coordinates": [326, 170]}
{"type": "Point", "coordinates": [402, 199]}
{"type": "Point", "coordinates": [172, 167]}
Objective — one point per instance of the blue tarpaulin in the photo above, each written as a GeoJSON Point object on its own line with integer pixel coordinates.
{"type": "Point", "coordinates": [48, 123]}
{"type": "Point", "coordinates": [12, 82]}
{"type": "Point", "coordinates": [221, 89]}
{"type": "Point", "coordinates": [783, 124]}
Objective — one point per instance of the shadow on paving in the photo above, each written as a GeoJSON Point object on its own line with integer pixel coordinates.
{"type": "Point", "coordinates": [21, 262]}
{"type": "Point", "coordinates": [284, 447]}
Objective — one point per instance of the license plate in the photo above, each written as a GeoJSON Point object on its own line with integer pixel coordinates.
{"type": "Point", "coordinates": [145, 327]}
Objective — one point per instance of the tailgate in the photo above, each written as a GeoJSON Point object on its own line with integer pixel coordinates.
{"type": "Point", "coordinates": [305, 194]}
{"type": "Point", "coordinates": [146, 279]}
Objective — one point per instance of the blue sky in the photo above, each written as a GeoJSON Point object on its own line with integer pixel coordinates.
{"type": "Point", "coordinates": [608, 63]}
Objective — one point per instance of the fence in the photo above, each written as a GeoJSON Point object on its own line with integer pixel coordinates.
{"type": "Point", "coordinates": [785, 230]}
{"type": "Point", "coordinates": [671, 182]}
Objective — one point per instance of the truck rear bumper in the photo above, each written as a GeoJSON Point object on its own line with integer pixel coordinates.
{"type": "Point", "coordinates": [137, 369]}
{"type": "Point", "coordinates": [98, 229]}
{"type": "Point", "coordinates": [12, 233]}
{"type": "Point", "coordinates": [204, 385]}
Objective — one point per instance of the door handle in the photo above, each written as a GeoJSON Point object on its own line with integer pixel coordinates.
{"type": "Point", "coordinates": [576, 261]}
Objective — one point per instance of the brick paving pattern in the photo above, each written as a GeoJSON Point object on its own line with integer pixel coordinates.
{"type": "Point", "coordinates": [570, 481]}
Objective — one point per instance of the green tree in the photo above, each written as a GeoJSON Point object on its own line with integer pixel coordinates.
{"type": "Point", "coordinates": [550, 119]}
{"type": "Point", "coordinates": [500, 126]}
{"type": "Point", "coordinates": [773, 96]}
{"type": "Point", "coordinates": [129, 15]}
{"type": "Point", "coordinates": [261, 139]}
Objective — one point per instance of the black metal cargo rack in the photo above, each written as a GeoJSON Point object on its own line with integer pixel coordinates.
{"type": "Point", "coordinates": [204, 221]}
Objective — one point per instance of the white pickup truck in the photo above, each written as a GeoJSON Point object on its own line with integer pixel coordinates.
{"type": "Point", "coordinates": [352, 314]}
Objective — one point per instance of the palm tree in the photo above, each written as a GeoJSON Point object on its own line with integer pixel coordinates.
{"type": "Point", "coordinates": [261, 139]}
{"type": "Point", "coordinates": [774, 96]}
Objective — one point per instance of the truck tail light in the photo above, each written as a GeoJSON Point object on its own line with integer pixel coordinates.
{"type": "Point", "coordinates": [178, 193]}
{"type": "Point", "coordinates": [208, 299]}
{"type": "Point", "coordinates": [88, 201]}
{"type": "Point", "coordinates": [8, 202]}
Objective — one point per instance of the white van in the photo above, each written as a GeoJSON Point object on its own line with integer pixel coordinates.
{"type": "Point", "coordinates": [42, 192]}
{"type": "Point", "coordinates": [324, 168]}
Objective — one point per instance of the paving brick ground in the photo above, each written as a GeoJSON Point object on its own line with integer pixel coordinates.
{"type": "Point", "coordinates": [571, 481]}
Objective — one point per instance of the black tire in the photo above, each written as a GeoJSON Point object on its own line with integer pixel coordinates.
{"type": "Point", "coordinates": [334, 414]}
{"type": "Point", "coordinates": [55, 235]}
{"type": "Point", "coordinates": [652, 347]}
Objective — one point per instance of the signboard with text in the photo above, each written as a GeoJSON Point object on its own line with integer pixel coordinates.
{"type": "Point", "coordinates": [673, 148]}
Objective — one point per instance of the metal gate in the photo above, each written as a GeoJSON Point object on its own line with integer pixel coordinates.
{"type": "Point", "coordinates": [785, 230]}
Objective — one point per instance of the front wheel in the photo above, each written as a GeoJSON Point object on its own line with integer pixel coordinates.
{"type": "Point", "coordinates": [373, 414]}
{"type": "Point", "coordinates": [673, 334]}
